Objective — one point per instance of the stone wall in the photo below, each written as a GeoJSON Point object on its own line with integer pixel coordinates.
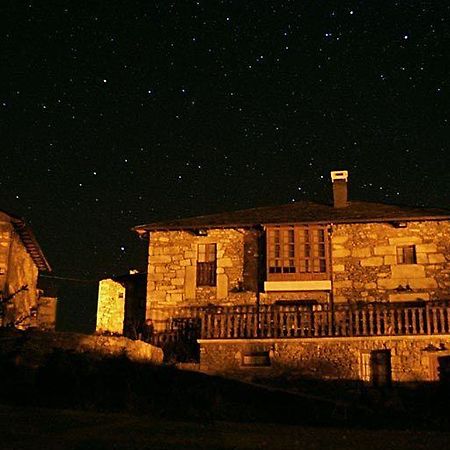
{"type": "Point", "coordinates": [36, 346]}
{"type": "Point", "coordinates": [46, 313]}
{"type": "Point", "coordinates": [172, 268]}
{"type": "Point", "coordinates": [110, 307]}
{"type": "Point", "coordinates": [5, 239]}
{"type": "Point", "coordinates": [21, 271]}
{"type": "Point", "coordinates": [365, 265]}
{"type": "Point", "coordinates": [307, 296]}
{"type": "Point", "coordinates": [413, 358]}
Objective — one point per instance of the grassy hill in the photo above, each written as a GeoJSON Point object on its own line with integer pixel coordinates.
{"type": "Point", "coordinates": [90, 382]}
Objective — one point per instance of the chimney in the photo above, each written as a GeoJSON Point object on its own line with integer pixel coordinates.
{"type": "Point", "coordinates": [339, 179]}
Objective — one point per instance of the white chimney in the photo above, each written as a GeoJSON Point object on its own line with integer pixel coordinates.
{"type": "Point", "coordinates": [340, 195]}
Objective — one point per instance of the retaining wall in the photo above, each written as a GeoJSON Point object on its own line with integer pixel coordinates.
{"type": "Point", "coordinates": [413, 358]}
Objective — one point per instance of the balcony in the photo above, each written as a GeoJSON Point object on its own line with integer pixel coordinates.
{"type": "Point", "coordinates": [273, 321]}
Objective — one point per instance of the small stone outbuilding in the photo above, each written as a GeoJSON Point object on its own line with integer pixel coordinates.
{"type": "Point", "coordinates": [121, 305]}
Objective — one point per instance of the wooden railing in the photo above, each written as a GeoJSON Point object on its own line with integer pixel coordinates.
{"type": "Point", "coordinates": [270, 321]}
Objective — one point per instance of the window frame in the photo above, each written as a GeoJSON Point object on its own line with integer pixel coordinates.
{"type": "Point", "coordinates": [365, 366]}
{"type": "Point", "coordinates": [292, 247]}
{"type": "Point", "coordinates": [403, 257]}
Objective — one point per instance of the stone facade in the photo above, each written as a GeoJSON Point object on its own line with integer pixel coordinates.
{"type": "Point", "coordinates": [172, 268]}
{"type": "Point", "coordinates": [413, 358]}
{"type": "Point", "coordinates": [17, 269]}
{"type": "Point", "coordinates": [121, 304]}
{"type": "Point", "coordinates": [5, 239]}
{"type": "Point", "coordinates": [110, 307]}
{"type": "Point", "coordinates": [365, 268]}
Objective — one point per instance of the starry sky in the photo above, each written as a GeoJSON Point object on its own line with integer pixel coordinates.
{"type": "Point", "coordinates": [118, 113]}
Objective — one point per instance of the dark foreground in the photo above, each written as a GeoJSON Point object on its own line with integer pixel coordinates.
{"type": "Point", "coordinates": [25, 428]}
{"type": "Point", "coordinates": [60, 399]}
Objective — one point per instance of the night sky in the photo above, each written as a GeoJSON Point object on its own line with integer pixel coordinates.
{"type": "Point", "coordinates": [118, 113]}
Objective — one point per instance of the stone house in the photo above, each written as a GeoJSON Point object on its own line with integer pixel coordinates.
{"type": "Point", "coordinates": [21, 261]}
{"type": "Point", "coordinates": [303, 255]}
{"type": "Point", "coordinates": [302, 251]}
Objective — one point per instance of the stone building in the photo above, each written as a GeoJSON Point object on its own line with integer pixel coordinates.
{"type": "Point", "coordinates": [21, 261]}
{"type": "Point", "coordinates": [121, 304]}
{"type": "Point", "coordinates": [303, 255]}
{"type": "Point", "coordinates": [303, 251]}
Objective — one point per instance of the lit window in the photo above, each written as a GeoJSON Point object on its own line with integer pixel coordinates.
{"type": "Point", "coordinates": [297, 252]}
{"type": "Point", "coordinates": [406, 254]}
{"type": "Point", "coordinates": [206, 265]}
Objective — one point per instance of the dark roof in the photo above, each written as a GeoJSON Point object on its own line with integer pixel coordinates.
{"type": "Point", "coordinates": [302, 212]}
{"type": "Point", "coordinates": [29, 241]}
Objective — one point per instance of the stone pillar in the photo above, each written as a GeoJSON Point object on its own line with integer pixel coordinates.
{"type": "Point", "coordinates": [222, 286]}
{"type": "Point", "coordinates": [190, 283]}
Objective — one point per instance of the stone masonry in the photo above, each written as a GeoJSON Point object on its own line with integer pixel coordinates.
{"type": "Point", "coordinates": [365, 264]}
{"type": "Point", "coordinates": [172, 268]}
{"type": "Point", "coordinates": [36, 345]}
{"type": "Point", "coordinates": [363, 256]}
{"type": "Point", "coordinates": [110, 307]}
{"type": "Point", "coordinates": [413, 358]}
{"type": "Point", "coordinates": [17, 269]}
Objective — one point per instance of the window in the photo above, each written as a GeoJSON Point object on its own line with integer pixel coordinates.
{"type": "Point", "coordinates": [297, 252]}
{"type": "Point", "coordinates": [256, 359]}
{"type": "Point", "coordinates": [380, 367]}
{"type": "Point", "coordinates": [375, 366]}
{"type": "Point", "coordinates": [364, 366]}
{"type": "Point", "coordinates": [406, 254]}
{"type": "Point", "coordinates": [206, 265]}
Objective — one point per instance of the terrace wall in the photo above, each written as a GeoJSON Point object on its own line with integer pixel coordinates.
{"type": "Point", "coordinates": [413, 358]}
{"type": "Point", "coordinates": [35, 346]}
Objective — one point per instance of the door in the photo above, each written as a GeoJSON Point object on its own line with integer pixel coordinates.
{"type": "Point", "coordinates": [380, 367]}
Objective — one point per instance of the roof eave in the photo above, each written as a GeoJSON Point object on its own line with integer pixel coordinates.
{"type": "Point", "coordinates": [142, 229]}
{"type": "Point", "coordinates": [29, 241]}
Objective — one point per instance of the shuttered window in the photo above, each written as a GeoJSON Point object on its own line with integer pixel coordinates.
{"type": "Point", "coordinates": [406, 254]}
{"type": "Point", "coordinates": [206, 264]}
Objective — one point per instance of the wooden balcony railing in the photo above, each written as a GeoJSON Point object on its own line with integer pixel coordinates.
{"type": "Point", "coordinates": [270, 321]}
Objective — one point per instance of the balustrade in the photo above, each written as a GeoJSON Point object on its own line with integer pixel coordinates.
{"type": "Point", "coordinates": [273, 321]}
